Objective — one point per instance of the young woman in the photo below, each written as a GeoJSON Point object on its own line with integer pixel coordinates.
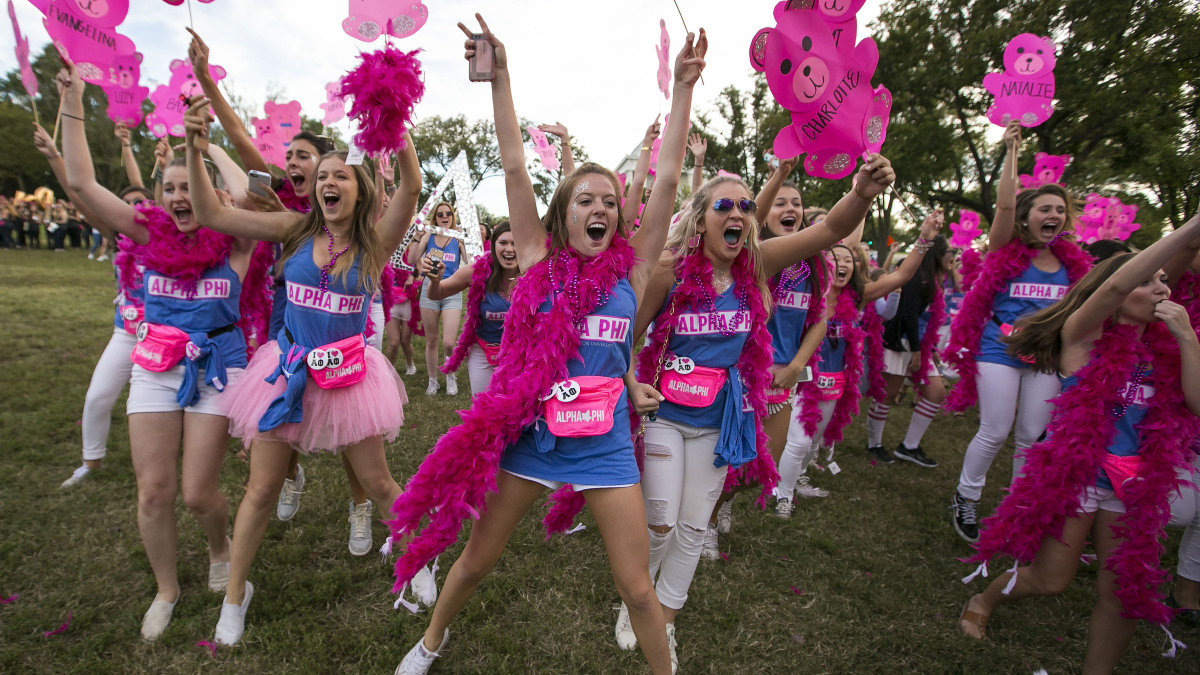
{"type": "Point", "coordinates": [910, 351]}
{"type": "Point", "coordinates": [1108, 470]}
{"type": "Point", "coordinates": [1025, 270]}
{"type": "Point", "coordinates": [190, 348]}
{"type": "Point", "coordinates": [567, 333]}
{"type": "Point", "coordinates": [490, 281]}
{"type": "Point", "coordinates": [397, 330]}
{"type": "Point", "coordinates": [317, 386]}
{"type": "Point", "coordinates": [440, 255]}
{"type": "Point", "coordinates": [827, 409]}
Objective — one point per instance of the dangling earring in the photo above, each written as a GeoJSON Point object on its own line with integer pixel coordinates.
{"type": "Point", "coordinates": [694, 242]}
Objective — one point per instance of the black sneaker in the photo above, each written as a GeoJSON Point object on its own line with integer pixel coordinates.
{"type": "Point", "coordinates": [966, 523]}
{"type": "Point", "coordinates": [916, 456]}
{"type": "Point", "coordinates": [880, 454]}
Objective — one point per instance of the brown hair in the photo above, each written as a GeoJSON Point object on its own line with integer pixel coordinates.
{"type": "Point", "coordinates": [1039, 335]}
{"type": "Point", "coordinates": [855, 279]}
{"type": "Point", "coordinates": [1025, 202]}
{"type": "Point", "coordinates": [555, 220]}
{"type": "Point", "coordinates": [363, 241]}
{"type": "Point", "coordinates": [453, 213]}
{"type": "Point", "coordinates": [493, 282]}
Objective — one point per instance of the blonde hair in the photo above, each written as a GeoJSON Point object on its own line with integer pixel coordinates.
{"type": "Point", "coordinates": [364, 243]}
{"type": "Point", "coordinates": [691, 219]}
{"type": "Point", "coordinates": [453, 212]}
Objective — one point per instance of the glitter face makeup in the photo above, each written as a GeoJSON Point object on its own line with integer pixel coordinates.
{"type": "Point", "coordinates": [583, 185]}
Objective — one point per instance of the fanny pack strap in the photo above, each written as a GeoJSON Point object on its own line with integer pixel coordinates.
{"type": "Point", "coordinates": [662, 359]}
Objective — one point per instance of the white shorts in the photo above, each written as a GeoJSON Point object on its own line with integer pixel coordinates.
{"type": "Point", "coordinates": [151, 392]}
{"type": "Point", "coordinates": [1096, 499]}
{"type": "Point", "coordinates": [897, 363]}
{"type": "Point", "coordinates": [401, 311]}
{"type": "Point", "coordinates": [554, 484]}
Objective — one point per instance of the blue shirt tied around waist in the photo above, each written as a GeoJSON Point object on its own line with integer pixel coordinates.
{"type": "Point", "coordinates": [312, 318]}
{"type": "Point", "coordinates": [451, 254]}
{"type": "Point", "coordinates": [786, 323]}
{"type": "Point", "coordinates": [606, 343]}
{"type": "Point", "coordinates": [492, 310]}
{"type": "Point", "coordinates": [1028, 292]}
{"type": "Point", "coordinates": [1126, 439]}
{"type": "Point", "coordinates": [212, 310]}
{"type": "Point", "coordinates": [698, 338]}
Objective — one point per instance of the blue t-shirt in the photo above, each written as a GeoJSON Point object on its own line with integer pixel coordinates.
{"type": "Point", "coordinates": [214, 306]}
{"type": "Point", "coordinates": [1125, 439]}
{"type": "Point", "coordinates": [787, 321]}
{"type": "Point", "coordinates": [492, 310]}
{"type": "Point", "coordinates": [605, 349]}
{"type": "Point", "coordinates": [315, 317]}
{"type": "Point", "coordinates": [1030, 291]}
{"type": "Point", "coordinates": [133, 298]}
{"type": "Point", "coordinates": [833, 348]}
{"type": "Point", "coordinates": [451, 255]}
{"type": "Point", "coordinates": [699, 338]}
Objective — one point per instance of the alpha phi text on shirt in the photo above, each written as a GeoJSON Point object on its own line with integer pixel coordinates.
{"type": "Point", "coordinates": [326, 301]}
{"type": "Point", "coordinates": [795, 300]}
{"type": "Point", "coordinates": [600, 328]}
{"type": "Point", "coordinates": [714, 322]}
{"type": "Point", "coordinates": [206, 289]}
{"type": "Point", "coordinates": [1024, 290]}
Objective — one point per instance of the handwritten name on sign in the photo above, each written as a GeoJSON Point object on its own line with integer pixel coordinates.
{"type": "Point", "coordinates": [1025, 90]}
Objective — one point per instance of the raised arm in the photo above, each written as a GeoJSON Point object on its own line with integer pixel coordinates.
{"type": "Point", "coordinates": [770, 189]}
{"type": "Point", "coordinates": [440, 289]}
{"type": "Point", "coordinates": [633, 194]}
{"type": "Point", "coordinates": [698, 145]}
{"type": "Point", "coordinates": [1004, 221]}
{"type": "Point", "coordinates": [912, 262]}
{"type": "Point", "coordinates": [77, 161]}
{"type": "Point", "coordinates": [873, 178]}
{"type": "Point", "coordinates": [209, 211]}
{"type": "Point", "coordinates": [650, 238]}
{"type": "Point", "coordinates": [567, 161]}
{"type": "Point", "coordinates": [1085, 323]}
{"type": "Point", "coordinates": [45, 145]}
{"type": "Point", "coordinates": [230, 122]}
{"type": "Point", "coordinates": [392, 227]}
{"type": "Point", "coordinates": [132, 172]}
{"type": "Point", "coordinates": [236, 182]}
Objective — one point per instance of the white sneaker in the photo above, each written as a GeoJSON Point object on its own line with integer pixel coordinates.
{"type": "Point", "coordinates": [709, 551]}
{"type": "Point", "coordinates": [218, 577]}
{"type": "Point", "coordinates": [232, 623]}
{"type": "Point", "coordinates": [784, 508]}
{"type": "Point", "coordinates": [725, 517]}
{"type": "Point", "coordinates": [626, 640]}
{"type": "Point", "coordinates": [360, 527]}
{"type": "Point", "coordinates": [451, 385]}
{"type": "Point", "coordinates": [805, 490]}
{"type": "Point", "coordinates": [76, 477]}
{"type": "Point", "coordinates": [410, 369]}
{"type": "Point", "coordinates": [418, 659]}
{"type": "Point", "coordinates": [156, 619]}
{"type": "Point", "coordinates": [91, 256]}
{"type": "Point", "coordinates": [432, 388]}
{"type": "Point", "coordinates": [672, 646]}
{"type": "Point", "coordinates": [424, 584]}
{"type": "Point", "coordinates": [289, 496]}
{"type": "Point", "coordinates": [102, 258]}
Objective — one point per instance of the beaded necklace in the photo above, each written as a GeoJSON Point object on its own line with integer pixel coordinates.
{"type": "Point", "coordinates": [789, 278]}
{"type": "Point", "coordinates": [1131, 390]}
{"type": "Point", "coordinates": [715, 318]}
{"type": "Point", "coordinates": [569, 289]}
{"type": "Point", "coordinates": [333, 258]}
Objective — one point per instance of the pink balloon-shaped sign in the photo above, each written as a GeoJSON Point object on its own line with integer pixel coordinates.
{"type": "Point", "coordinates": [1025, 90]}
{"type": "Point", "coordinates": [966, 230]}
{"type": "Point", "coordinates": [123, 91]}
{"type": "Point", "coordinates": [369, 19]}
{"type": "Point", "coordinates": [1047, 170]}
{"type": "Point", "coordinates": [85, 33]}
{"type": "Point", "coordinates": [663, 49]}
{"type": "Point", "coordinates": [545, 151]}
{"type": "Point", "coordinates": [170, 99]}
{"type": "Point", "coordinates": [824, 81]}
{"type": "Point", "coordinates": [28, 79]}
{"type": "Point", "coordinates": [334, 105]}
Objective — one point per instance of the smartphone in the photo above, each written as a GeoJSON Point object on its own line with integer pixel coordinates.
{"type": "Point", "coordinates": [483, 64]}
{"type": "Point", "coordinates": [806, 375]}
{"type": "Point", "coordinates": [260, 183]}
{"type": "Point", "coordinates": [434, 256]}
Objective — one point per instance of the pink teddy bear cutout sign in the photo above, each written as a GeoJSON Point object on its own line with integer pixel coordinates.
{"type": "Point", "coordinates": [1047, 170]}
{"type": "Point", "coordinates": [124, 93]}
{"type": "Point", "coordinates": [170, 100]}
{"type": "Point", "coordinates": [1106, 218]}
{"type": "Point", "coordinates": [273, 134]}
{"type": "Point", "coordinates": [545, 151]}
{"type": "Point", "coordinates": [371, 18]}
{"type": "Point", "coordinates": [663, 50]}
{"type": "Point", "coordinates": [823, 79]}
{"type": "Point", "coordinates": [334, 105]}
{"type": "Point", "coordinates": [1025, 90]}
{"type": "Point", "coordinates": [966, 230]}
{"type": "Point", "coordinates": [28, 79]}
{"type": "Point", "coordinates": [84, 32]}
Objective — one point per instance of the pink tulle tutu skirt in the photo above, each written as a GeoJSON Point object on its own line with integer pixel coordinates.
{"type": "Point", "coordinates": [333, 418]}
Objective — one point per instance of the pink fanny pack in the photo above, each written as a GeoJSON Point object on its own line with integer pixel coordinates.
{"type": "Point", "coordinates": [131, 316]}
{"type": "Point", "coordinates": [582, 406]}
{"type": "Point", "coordinates": [339, 364]}
{"type": "Point", "coordinates": [490, 351]}
{"type": "Point", "coordinates": [1120, 470]}
{"type": "Point", "coordinates": [159, 348]}
{"type": "Point", "coordinates": [831, 385]}
{"type": "Point", "coordinates": [777, 395]}
{"type": "Point", "coordinates": [684, 383]}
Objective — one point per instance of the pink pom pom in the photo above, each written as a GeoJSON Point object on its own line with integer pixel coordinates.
{"type": "Point", "coordinates": [385, 87]}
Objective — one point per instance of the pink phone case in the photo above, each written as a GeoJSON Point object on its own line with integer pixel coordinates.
{"type": "Point", "coordinates": [483, 67]}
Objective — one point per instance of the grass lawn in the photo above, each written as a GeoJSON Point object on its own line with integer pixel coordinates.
{"type": "Point", "coordinates": [865, 581]}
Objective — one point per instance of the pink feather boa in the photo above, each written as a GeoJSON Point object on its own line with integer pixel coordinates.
{"type": "Point", "coordinates": [291, 200]}
{"type": "Point", "coordinates": [387, 282]}
{"type": "Point", "coordinates": [873, 331]}
{"type": "Point", "coordinates": [1187, 293]}
{"type": "Point", "coordinates": [972, 263]}
{"type": "Point", "coordinates": [385, 87]}
{"type": "Point", "coordinates": [816, 313]}
{"type": "Point", "coordinates": [1081, 428]}
{"type": "Point", "coordinates": [975, 312]}
{"type": "Point", "coordinates": [846, 311]}
{"type": "Point", "coordinates": [453, 481]}
{"type": "Point", "coordinates": [937, 317]}
{"type": "Point", "coordinates": [479, 276]}
{"type": "Point", "coordinates": [184, 257]}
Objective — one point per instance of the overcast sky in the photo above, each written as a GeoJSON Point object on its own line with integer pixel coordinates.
{"type": "Point", "coordinates": [588, 65]}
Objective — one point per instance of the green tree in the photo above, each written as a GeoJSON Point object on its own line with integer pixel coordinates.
{"type": "Point", "coordinates": [440, 139]}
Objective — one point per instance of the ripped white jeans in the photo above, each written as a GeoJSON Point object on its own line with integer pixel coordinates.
{"type": "Point", "coordinates": [680, 486]}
